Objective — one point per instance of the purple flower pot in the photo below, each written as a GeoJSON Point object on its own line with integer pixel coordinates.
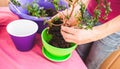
{"type": "Point", "coordinates": [22, 33]}
{"type": "Point", "coordinates": [23, 13]}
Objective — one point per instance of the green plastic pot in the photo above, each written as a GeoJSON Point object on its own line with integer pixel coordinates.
{"type": "Point", "coordinates": [54, 53]}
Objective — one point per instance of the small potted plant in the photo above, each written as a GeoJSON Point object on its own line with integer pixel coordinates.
{"type": "Point", "coordinates": [36, 10]}
{"type": "Point", "coordinates": [55, 48]}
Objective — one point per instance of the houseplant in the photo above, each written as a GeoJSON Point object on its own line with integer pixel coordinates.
{"type": "Point", "coordinates": [25, 8]}
{"type": "Point", "coordinates": [54, 46]}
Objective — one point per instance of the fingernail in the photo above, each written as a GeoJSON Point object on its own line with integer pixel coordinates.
{"type": "Point", "coordinates": [62, 27]}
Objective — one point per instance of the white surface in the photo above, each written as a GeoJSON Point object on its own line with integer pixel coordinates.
{"type": "Point", "coordinates": [22, 28]}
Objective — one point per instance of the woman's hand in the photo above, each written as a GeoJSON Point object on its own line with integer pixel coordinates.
{"type": "Point", "coordinates": [80, 36]}
{"type": "Point", "coordinates": [72, 21]}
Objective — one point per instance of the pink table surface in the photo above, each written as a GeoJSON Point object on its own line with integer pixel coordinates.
{"type": "Point", "coordinates": [11, 58]}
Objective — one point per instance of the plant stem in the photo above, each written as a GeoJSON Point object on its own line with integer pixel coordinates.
{"type": "Point", "coordinates": [73, 6]}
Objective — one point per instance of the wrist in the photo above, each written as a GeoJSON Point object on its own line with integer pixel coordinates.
{"type": "Point", "coordinates": [100, 31]}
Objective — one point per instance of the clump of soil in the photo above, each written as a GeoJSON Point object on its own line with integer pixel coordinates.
{"type": "Point", "coordinates": [57, 39]}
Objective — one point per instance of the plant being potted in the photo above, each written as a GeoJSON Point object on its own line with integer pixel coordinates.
{"type": "Point", "coordinates": [36, 10]}
{"type": "Point", "coordinates": [55, 48]}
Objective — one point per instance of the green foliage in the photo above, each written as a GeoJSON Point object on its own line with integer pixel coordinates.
{"type": "Point", "coordinates": [16, 3]}
{"type": "Point", "coordinates": [82, 9]}
{"type": "Point", "coordinates": [35, 10]}
{"type": "Point", "coordinates": [56, 18]}
{"type": "Point", "coordinates": [57, 5]}
{"type": "Point", "coordinates": [88, 22]}
{"type": "Point", "coordinates": [108, 9]}
{"type": "Point", "coordinates": [67, 17]}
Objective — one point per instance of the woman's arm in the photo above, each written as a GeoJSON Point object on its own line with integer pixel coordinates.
{"type": "Point", "coordinates": [82, 36]}
{"type": "Point", "coordinates": [108, 28]}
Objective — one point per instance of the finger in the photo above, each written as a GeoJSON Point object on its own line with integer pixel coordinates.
{"type": "Point", "coordinates": [68, 37]}
{"type": "Point", "coordinates": [72, 38]}
{"type": "Point", "coordinates": [69, 30]}
{"type": "Point", "coordinates": [69, 40]}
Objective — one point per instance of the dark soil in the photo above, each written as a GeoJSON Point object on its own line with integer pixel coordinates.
{"type": "Point", "coordinates": [50, 12]}
{"type": "Point", "coordinates": [57, 39]}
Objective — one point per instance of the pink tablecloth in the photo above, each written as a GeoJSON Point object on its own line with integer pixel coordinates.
{"type": "Point", "coordinates": [11, 58]}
